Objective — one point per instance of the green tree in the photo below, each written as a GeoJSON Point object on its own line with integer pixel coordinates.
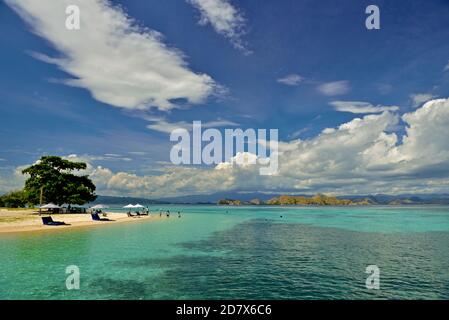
{"type": "Point", "coordinates": [54, 177]}
{"type": "Point", "coordinates": [14, 199]}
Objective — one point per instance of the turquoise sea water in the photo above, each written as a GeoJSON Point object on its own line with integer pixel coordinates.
{"type": "Point", "coordinates": [239, 253]}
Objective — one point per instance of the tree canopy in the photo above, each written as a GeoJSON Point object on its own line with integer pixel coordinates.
{"type": "Point", "coordinates": [55, 175]}
{"type": "Point", "coordinates": [13, 199]}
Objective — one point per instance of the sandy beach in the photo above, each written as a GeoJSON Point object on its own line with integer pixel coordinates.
{"type": "Point", "coordinates": [18, 221]}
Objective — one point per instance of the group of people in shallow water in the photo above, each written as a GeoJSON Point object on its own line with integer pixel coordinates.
{"type": "Point", "coordinates": [167, 213]}
{"type": "Point", "coordinates": [146, 212]}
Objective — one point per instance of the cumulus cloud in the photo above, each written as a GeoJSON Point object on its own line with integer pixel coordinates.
{"type": "Point", "coordinates": [290, 80]}
{"type": "Point", "coordinates": [419, 98]}
{"type": "Point", "coordinates": [175, 181]}
{"type": "Point", "coordinates": [118, 62]}
{"type": "Point", "coordinates": [360, 107]}
{"type": "Point", "coordinates": [334, 88]}
{"type": "Point", "coordinates": [226, 19]}
{"type": "Point", "coordinates": [426, 142]}
{"type": "Point", "coordinates": [357, 157]}
{"type": "Point", "coordinates": [243, 159]}
{"type": "Point", "coordinates": [446, 68]}
{"type": "Point", "coordinates": [360, 156]}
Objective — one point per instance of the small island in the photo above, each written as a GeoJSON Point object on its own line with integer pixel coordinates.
{"type": "Point", "coordinates": [317, 200]}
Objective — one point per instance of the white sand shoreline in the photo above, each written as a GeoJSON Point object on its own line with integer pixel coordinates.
{"type": "Point", "coordinates": [24, 221]}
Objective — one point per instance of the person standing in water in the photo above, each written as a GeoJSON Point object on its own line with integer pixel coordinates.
{"type": "Point", "coordinates": [179, 214]}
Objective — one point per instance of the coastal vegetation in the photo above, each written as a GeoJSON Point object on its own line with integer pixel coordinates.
{"type": "Point", "coordinates": [13, 199]}
{"type": "Point", "coordinates": [230, 202]}
{"type": "Point", "coordinates": [52, 179]}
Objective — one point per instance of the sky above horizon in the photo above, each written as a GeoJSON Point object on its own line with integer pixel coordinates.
{"type": "Point", "coordinates": [358, 111]}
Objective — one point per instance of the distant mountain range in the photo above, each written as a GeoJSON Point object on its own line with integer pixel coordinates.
{"type": "Point", "coordinates": [384, 199]}
{"type": "Point", "coordinates": [124, 200]}
{"type": "Point", "coordinates": [377, 199]}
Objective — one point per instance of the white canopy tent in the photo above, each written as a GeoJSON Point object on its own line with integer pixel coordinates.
{"type": "Point", "coordinates": [129, 206]}
{"type": "Point", "coordinates": [50, 206]}
{"type": "Point", "coordinates": [99, 206]}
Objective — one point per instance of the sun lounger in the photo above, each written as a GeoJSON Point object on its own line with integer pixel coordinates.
{"type": "Point", "coordinates": [96, 217]}
{"type": "Point", "coordinates": [48, 221]}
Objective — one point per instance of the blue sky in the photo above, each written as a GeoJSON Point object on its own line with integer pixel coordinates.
{"type": "Point", "coordinates": [274, 64]}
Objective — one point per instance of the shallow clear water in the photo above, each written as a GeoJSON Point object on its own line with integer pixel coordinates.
{"type": "Point", "coordinates": [239, 253]}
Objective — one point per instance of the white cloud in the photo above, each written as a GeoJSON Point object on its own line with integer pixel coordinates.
{"type": "Point", "coordinates": [167, 127]}
{"type": "Point", "coordinates": [138, 153]}
{"type": "Point", "coordinates": [360, 107]}
{"type": "Point", "coordinates": [362, 151]}
{"type": "Point", "coordinates": [11, 179]}
{"type": "Point", "coordinates": [419, 98]}
{"type": "Point", "coordinates": [120, 63]}
{"type": "Point", "coordinates": [427, 140]}
{"type": "Point", "coordinates": [90, 158]}
{"type": "Point", "coordinates": [226, 19]}
{"type": "Point", "coordinates": [298, 133]}
{"type": "Point", "coordinates": [446, 68]}
{"type": "Point", "coordinates": [358, 157]}
{"type": "Point", "coordinates": [243, 159]}
{"type": "Point", "coordinates": [162, 125]}
{"type": "Point", "coordinates": [334, 88]}
{"type": "Point", "coordinates": [290, 80]}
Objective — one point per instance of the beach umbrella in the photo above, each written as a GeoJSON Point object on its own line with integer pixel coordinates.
{"type": "Point", "coordinates": [50, 206]}
{"type": "Point", "coordinates": [139, 206]}
{"type": "Point", "coordinates": [99, 206]}
{"type": "Point", "coordinates": [129, 206]}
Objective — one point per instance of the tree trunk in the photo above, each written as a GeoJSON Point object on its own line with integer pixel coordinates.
{"type": "Point", "coordinates": [42, 195]}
